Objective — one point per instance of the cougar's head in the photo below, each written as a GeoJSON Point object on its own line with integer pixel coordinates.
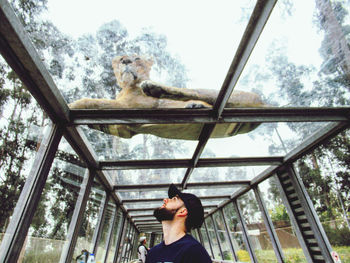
{"type": "Point", "coordinates": [130, 70]}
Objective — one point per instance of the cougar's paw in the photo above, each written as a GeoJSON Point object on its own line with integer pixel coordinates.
{"type": "Point", "coordinates": [151, 89]}
{"type": "Point", "coordinates": [195, 106]}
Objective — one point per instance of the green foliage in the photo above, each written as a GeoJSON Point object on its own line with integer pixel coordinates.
{"type": "Point", "coordinates": [338, 236]}
{"type": "Point", "coordinates": [279, 213]}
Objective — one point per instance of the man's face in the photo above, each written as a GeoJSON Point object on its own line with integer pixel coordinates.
{"type": "Point", "coordinates": [169, 208]}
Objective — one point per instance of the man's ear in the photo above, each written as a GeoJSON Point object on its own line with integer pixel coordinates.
{"type": "Point", "coordinates": [182, 212]}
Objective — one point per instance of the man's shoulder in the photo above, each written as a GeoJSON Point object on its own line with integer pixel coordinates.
{"type": "Point", "coordinates": [156, 247]}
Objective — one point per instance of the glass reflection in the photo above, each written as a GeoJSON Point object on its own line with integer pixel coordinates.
{"type": "Point", "coordinates": [235, 229]}
{"type": "Point", "coordinates": [219, 174]}
{"type": "Point", "coordinates": [90, 219]}
{"type": "Point", "coordinates": [256, 228]}
{"type": "Point", "coordinates": [49, 228]}
{"type": "Point", "coordinates": [279, 216]}
{"type": "Point", "coordinates": [146, 176]}
{"type": "Point", "coordinates": [117, 228]}
{"type": "Point", "coordinates": [269, 139]}
{"type": "Point", "coordinates": [139, 147]}
{"type": "Point", "coordinates": [311, 72]}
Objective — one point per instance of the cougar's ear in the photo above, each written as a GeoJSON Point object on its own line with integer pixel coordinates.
{"type": "Point", "coordinates": [149, 61]}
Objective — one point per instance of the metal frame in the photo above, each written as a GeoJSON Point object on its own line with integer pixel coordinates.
{"type": "Point", "coordinates": [77, 218]}
{"type": "Point", "coordinates": [217, 236]}
{"type": "Point", "coordinates": [269, 226]}
{"type": "Point", "coordinates": [209, 240]}
{"type": "Point", "coordinates": [228, 234]}
{"type": "Point", "coordinates": [100, 221]}
{"type": "Point", "coordinates": [246, 237]}
{"type": "Point", "coordinates": [29, 198]}
{"type": "Point", "coordinates": [16, 48]}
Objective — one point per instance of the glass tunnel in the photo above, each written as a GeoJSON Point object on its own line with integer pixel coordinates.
{"type": "Point", "coordinates": [252, 116]}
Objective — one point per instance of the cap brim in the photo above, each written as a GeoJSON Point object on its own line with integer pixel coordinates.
{"type": "Point", "coordinates": [173, 191]}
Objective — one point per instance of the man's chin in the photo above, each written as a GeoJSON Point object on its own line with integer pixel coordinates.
{"type": "Point", "coordinates": [163, 214]}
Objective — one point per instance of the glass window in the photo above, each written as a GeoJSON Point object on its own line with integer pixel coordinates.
{"type": "Point", "coordinates": [257, 232]}
{"type": "Point", "coordinates": [223, 236]}
{"type": "Point", "coordinates": [107, 224]}
{"type": "Point", "coordinates": [290, 72]}
{"type": "Point", "coordinates": [125, 242]}
{"type": "Point", "coordinates": [146, 176]}
{"type": "Point", "coordinates": [89, 222]}
{"type": "Point", "coordinates": [49, 228]}
{"type": "Point", "coordinates": [205, 239]}
{"type": "Point", "coordinates": [109, 146]}
{"type": "Point", "coordinates": [268, 139]}
{"type": "Point", "coordinates": [22, 125]}
{"type": "Point", "coordinates": [278, 213]}
{"type": "Point", "coordinates": [325, 174]}
{"type": "Point", "coordinates": [116, 232]}
{"type": "Point", "coordinates": [236, 233]}
{"type": "Point", "coordinates": [213, 239]}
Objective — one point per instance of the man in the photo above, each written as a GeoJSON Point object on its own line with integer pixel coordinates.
{"type": "Point", "coordinates": [142, 250]}
{"type": "Point", "coordinates": [179, 213]}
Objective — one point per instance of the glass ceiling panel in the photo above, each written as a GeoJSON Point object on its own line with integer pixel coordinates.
{"type": "Point", "coordinates": [222, 174]}
{"type": "Point", "coordinates": [147, 176]}
{"type": "Point", "coordinates": [159, 203]}
{"type": "Point", "coordinates": [224, 190]}
{"type": "Point", "coordinates": [136, 213]}
{"type": "Point", "coordinates": [143, 194]}
{"type": "Point", "coordinates": [78, 49]}
{"type": "Point", "coordinates": [142, 146]}
{"type": "Point", "coordinates": [300, 58]}
{"type": "Point", "coordinates": [269, 139]}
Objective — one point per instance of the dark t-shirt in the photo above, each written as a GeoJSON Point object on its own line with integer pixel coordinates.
{"type": "Point", "coordinates": [185, 250]}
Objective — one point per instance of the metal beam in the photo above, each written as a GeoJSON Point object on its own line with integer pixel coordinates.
{"type": "Point", "coordinates": [269, 226]}
{"type": "Point", "coordinates": [246, 238]}
{"type": "Point", "coordinates": [100, 222]}
{"type": "Point", "coordinates": [153, 187]}
{"type": "Point", "coordinates": [187, 163]}
{"type": "Point", "coordinates": [229, 115]}
{"type": "Point", "coordinates": [20, 54]}
{"type": "Point", "coordinates": [77, 218]}
{"type": "Point", "coordinates": [257, 21]}
{"type": "Point", "coordinates": [214, 197]}
{"type": "Point", "coordinates": [152, 208]}
{"type": "Point", "coordinates": [29, 198]}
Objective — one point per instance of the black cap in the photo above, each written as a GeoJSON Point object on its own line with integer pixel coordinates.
{"type": "Point", "coordinates": [193, 204]}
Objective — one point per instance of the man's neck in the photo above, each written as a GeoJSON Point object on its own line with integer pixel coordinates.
{"type": "Point", "coordinates": [172, 232]}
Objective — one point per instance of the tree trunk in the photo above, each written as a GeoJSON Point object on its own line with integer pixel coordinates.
{"type": "Point", "coordinates": [335, 34]}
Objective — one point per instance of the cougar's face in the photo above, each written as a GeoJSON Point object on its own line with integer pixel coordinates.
{"type": "Point", "coordinates": [130, 70]}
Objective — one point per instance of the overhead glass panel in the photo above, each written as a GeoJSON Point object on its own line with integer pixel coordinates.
{"type": "Point", "coordinates": [224, 190]}
{"type": "Point", "coordinates": [222, 174]}
{"type": "Point", "coordinates": [269, 139]}
{"type": "Point", "coordinates": [146, 176]}
{"type": "Point", "coordinates": [79, 56]}
{"type": "Point", "coordinates": [301, 58]}
{"type": "Point", "coordinates": [142, 194]}
{"type": "Point", "coordinates": [112, 144]}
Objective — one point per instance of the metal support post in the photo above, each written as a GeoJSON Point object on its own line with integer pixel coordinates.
{"type": "Point", "coordinates": [308, 227]}
{"type": "Point", "coordinates": [125, 242]}
{"type": "Point", "coordinates": [29, 198]}
{"type": "Point", "coordinates": [217, 236]}
{"type": "Point", "coordinates": [100, 221]}
{"type": "Point", "coordinates": [269, 226]}
{"type": "Point", "coordinates": [119, 241]}
{"type": "Point", "coordinates": [77, 218]}
{"type": "Point", "coordinates": [246, 238]}
{"type": "Point", "coordinates": [110, 233]}
{"type": "Point", "coordinates": [209, 241]}
{"type": "Point", "coordinates": [228, 234]}
{"type": "Point", "coordinates": [151, 242]}
{"type": "Point", "coordinates": [199, 235]}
